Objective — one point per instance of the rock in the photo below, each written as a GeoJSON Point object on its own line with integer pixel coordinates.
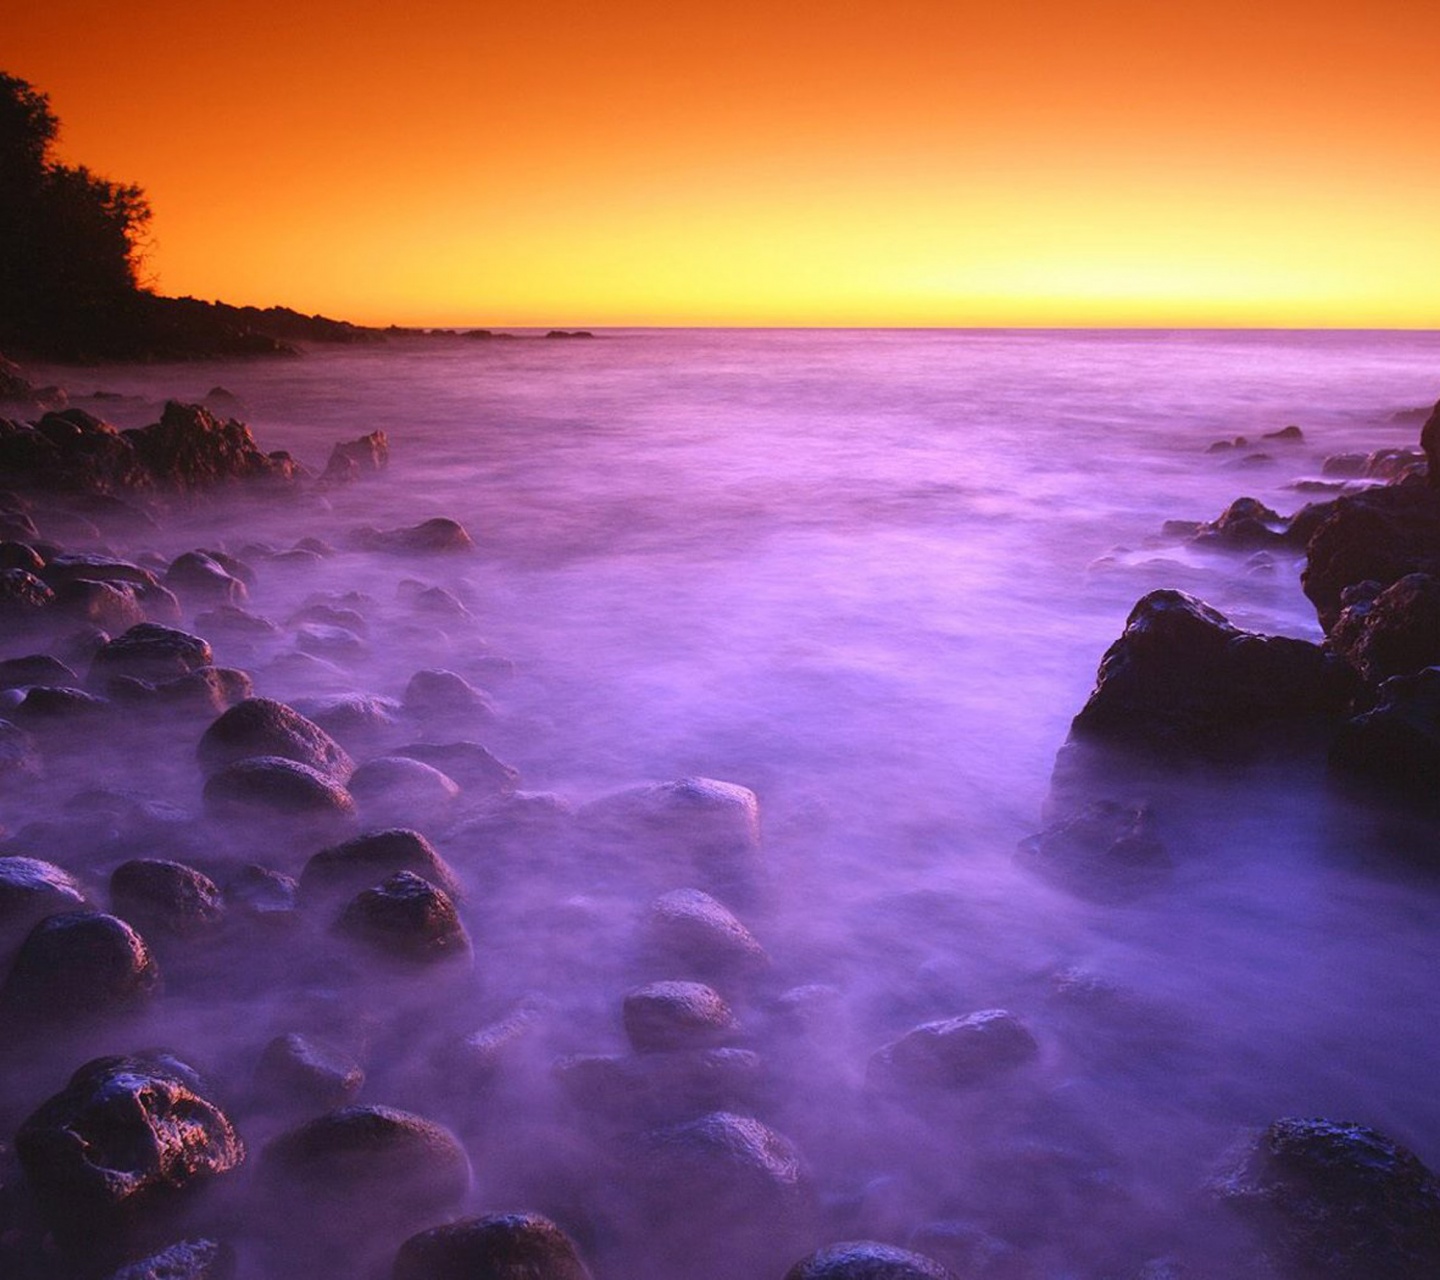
{"type": "Point", "coordinates": [30, 890]}
{"type": "Point", "coordinates": [353, 1181]}
{"type": "Point", "coordinates": [166, 899]}
{"type": "Point", "coordinates": [1379, 535]}
{"type": "Point", "coordinates": [440, 535]}
{"type": "Point", "coordinates": [955, 1053]}
{"type": "Point", "coordinates": [337, 644]}
{"type": "Point", "coordinates": [472, 1063]}
{"type": "Point", "coordinates": [1336, 1201]}
{"type": "Point", "coordinates": [123, 1139]}
{"type": "Point", "coordinates": [79, 964]}
{"type": "Point", "coordinates": [14, 385]}
{"type": "Point", "coordinates": [197, 577]}
{"type": "Point", "coordinates": [443, 695]}
{"type": "Point", "coordinates": [113, 606]}
{"type": "Point", "coordinates": [659, 1088]}
{"type": "Point", "coordinates": [1183, 680]}
{"type": "Point", "coordinates": [502, 1246]}
{"type": "Point", "coordinates": [150, 652]}
{"type": "Point", "coordinates": [232, 622]}
{"type": "Point", "coordinates": [276, 786]}
{"type": "Point", "coordinates": [1395, 747]}
{"type": "Point", "coordinates": [700, 936]}
{"type": "Point", "coordinates": [1108, 851]}
{"type": "Point", "coordinates": [23, 596]}
{"type": "Point", "coordinates": [356, 458]}
{"type": "Point", "coordinates": [352, 719]}
{"type": "Point", "coordinates": [19, 760]}
{"type": "Point", "coordinates": [70, 451]}
{"type": "Point", "coordinates": [345, 869]}
{"type": "Point", "coordinates": [263, 894]}
{"type": "Point", "coordinates": [1285, 433]}
{"type": "Point", "coordinates": [1350, 466]}
{"type": "Point", "coordinates": [201, 694]}
{"type": "Point", "coordinates": [1394, 632]}
{"type": "Point", "coordinates": [394, 789]}
{"type": "Point", "coordinates": [297, 1071]}
{"type": "Point", "coordinates": [1430, 443]}
{"type": "Point", "coordinates": [866, 1260]}
{"type": "Point", "coordinates": [20, 555]}
{"type": "Point", "coordinates": [76, 565]}
{"type": "Point", "coordinates": [187, 1260]}
{"type": "Point", "coordinates": [263, 727]}
{"type": "Point", "coordinates": [477, 771]}
{"type": "Point", "coordinates": [407, 918]}
{"type": "Point", "coordinates": [45, 708]}
{"type": "Point", "coordinates": [677, 1015]}
{"type": "Point", "coordinates": [190, 449]}
{"type": "Point", "coordinates": [1244, 524]}
{"type": "Point", "coordinates": [36, 668]}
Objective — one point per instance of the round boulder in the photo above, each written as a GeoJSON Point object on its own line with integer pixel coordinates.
{"type": "Point", "coordinates": [500, 1246]}
{"type": "Point", "coordinates": [30, 890]}
{"type": "Point", "coordinates": [407, 918]}
{"type": "Point", "coordinates": [399, 789]}
{"type": "Point", "coordinates": [263, 727]}
{"type": "Point", "coordinates": [345, 869]}
{"type": "Point", "coordinates": [79, 964]}
{"type": "Point", "coordinates": [867, 1260]}
{"type": "Point", "coordinates": [272, 785]}
{"type": "Point", "coordinates": [150, 652]}
{"type": "Point", "coordinates": [297, 1071]}
{"type": "Point", "coordinates": [662, 1016]}
{"type": "Point", "coordinates": [166, 899]}
{"type": "Point", "coordinates": [692, 930]}
{"type": "Point", "coordinates": [954, 1053]}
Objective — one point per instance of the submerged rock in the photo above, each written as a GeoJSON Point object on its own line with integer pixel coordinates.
{"type": "Point", "coordinates": [166, 899]}
{"type": "Point", "coordinates": [954, 1053]}
{"type": "Point", "coordinates": [866, 1260]}
{"type": "Point", "coordinates": [263, 727]}
{"type": "Point", "coordinates": [345, 869]}
{"type": "Point", "coordinates": [125, 1136]}
{"type": "Point", "coordinates": [677, 1015]}
{"type": "Point", "coordinates": [1107, 850]}
{"type": "Point", "coordinates": [1336, 1201]}
{"type": "Point", "coordinates": [1395, 746]}
{"type": "Point", "coordinates": [187, 1260]}
{"type": "Point", "coordinates": [407, 918]}
{"type": "Point", "coordinates": [276, 786]}
{"type": "Point", "coordinates": [352, 459]}
{"type": "Point", "coordinates": [501, 1246]}
{"type": "Point", "coordinates": [151, 652]}
{"type": "Point", "coordinates": [440, 535]}
{"type": "Point", "coordinates": [690, 929]}
{"type": "Point", "coordinates": [79, 964]}
{"type": "Point", "coordinates": [297, 1071]}
{"type": "Point", "coordinates": [30, 890]}
{"type": "Point", "coordinates": [476, 769]}
{"type": "Point", "coordinates": [400, 789]}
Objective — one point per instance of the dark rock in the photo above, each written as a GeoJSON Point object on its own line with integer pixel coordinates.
{"type": "Point", "coordinates": [352, 719]}
{"type": "Point", "coordinates": [1285, 433]}
{"type": "Point", "coordinates": [1337, 1201]}
{"type": "Point", "coordinates": [199, 577]}
{"type": "Point", "coordinates": [230, 621]}
{"type": "Point", "coordinates": [329, 615]}
{"type": "Point", "coordinates": [866, 1260]}
{"type": "Point", "coordinates": [954, 1053]}
{"type": "Point", "coordinates": [151, 652]}
{"type": "Point", "coordinates": [356, 458]}
{"type": "Point", "coordinates": [434, 601]}
{"type": "Point", "coordinates": [477, 771]}
{"type": "Point", "coordinates": [187, 1260]}
{"type": "Point", "coordinates": [446, 696]}
{"type": "Point", "coordinates": [124, 1138]}
{"type": "Point", "coordinates": [22, 596]}
{"type": "Point", "coordinates": [677, 1015]}
{"type": "Point", "coordinates": [36, 668]}
{"type": "Point", "coordinates": [1350, 466]}
{"type": "Point", "coordinates": [658, 1088]}
{"type": "Point", "coordinates": [430, 536]}
{"type": "Point", "coordinates": [1226, 446]}
{"type": "Point", "coordinates": [400, 789]}
{"type": "Point", "coordinates": [76, 565]}
{"type": "Point", "coordinates": [262, 893]}
{"type": "Point", "coordinates": [30, 890]}
{"type": "Point", "coordinates": [1391, 632]}
{"type": "Point", "coordinates": [113, 606]}
{"type": "Point", "coordinates": [45, 707]}
{"type": "Point", "coordinates": [201, 694]}
{"type": "Point", "coordinates": [1245, 523]}
{"type": "Point", "coordinates": [700, 936]}
{"type": "Point", "coordinates": [20, 555]}
{"type": "Point", "coordinates": [508, 1246]}
{"type": "Point", "coordinates": [1379, 535]}
{"type": "Point", "coordinates": [166, 899]}
{"type": "Point", "coordinates": [1182, 679]}
{"type": "Point", "coordinates": [295, 1070]}
{"type": "Point", "coordinates": [345, 869]}
{"type": "Point", "coordinates": [338, 644]}
{"type": "Point", "coordinates": [190, 449]}
{"type": "Point", "coordinates": [70, 451]}
{"type": "Point", "coordinates": [278, 786]}
{"type": "Point", "coordinates": [1395, 747]}
{"type": "Point", "coordinates": [263, 727]}
{"type": "Point", "coordinates": [19, 760]}
{"type": "Point", "coordinates": [1106, 851]}
{"type": "Point", "coordinates": [79, 964]}
{"type": "Point", "coordinates": [407, 918]}
{"type": "Point", "coordinates": [1430, 442]}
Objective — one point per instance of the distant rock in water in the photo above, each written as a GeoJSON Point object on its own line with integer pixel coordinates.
{"type": "Point", "coordinates": [354, 459]}
{"type": "Point", "coordinates": [1107, 851]}
{"type": "Point", "coordinates": [569, 333]}
{"type": "Point", "coordinates": [437, 535]}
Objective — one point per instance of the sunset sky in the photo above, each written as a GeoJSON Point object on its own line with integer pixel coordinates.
{"type": "Point", "coordinates": [1241, 162]}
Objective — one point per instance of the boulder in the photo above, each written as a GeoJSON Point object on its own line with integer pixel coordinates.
{"type": "Point", "coordinates": [500, 1246]}
{"type": "Point", "coordinates": [954, 1053]}
{"type": "Point", "coordinates": [263, 894]}
{"type": "Point", "coordinates": [1395, 746]}
{"type": "Point", "coordinates": [479, 773]}
{"type": "Point", "coordinates": [191, 449]}
{"type": "Point", "coordinates": [661, 1087]}
{"type": "Point", "coordinates": [23, 596]}
{"type": "Point", "coordinates": [113, 606]}
{"type": "Point", "coordinates": [406, 918]}
{"type": "Point", "coordinates": [1107, 851]}
{"type": "Point", "coordinates": [699, 936]}
{"type": "Point", "coordinates": [199, 578]}
{"type": "Point", "coordinates": [437, 536]}
{"type": "Point", "coordinates": [677, 1015]}
{"type": "Point", "coordinates": [30, 890]}
{"type": "Point", "coordinates": [125, 1138]}
{"type": "Point", "coordinates": [352, 459]}
{"type": "Point", "coordinates": [79, 964]}
{"type": "Point", "coordinates": [1392, 631]}
{"type": "Point", "coordinates": [866, 1260]}
{"type": "Point", "coordinates": [276, 786]}
{"type": "Point", "coordinates": [443, 695]}
{"type": "Point", "coordinates": [150, 652]}
{"type": "Point", "coordinates": [263, 727]}
{"type": "Point", "coordinates": [166, 900]}
{"type": "Point", "coordinates": [1430, 443]}
{"type": "Point", "coordinates": [296, 1071]}
{"type": "Point", "coordinates": [1244, 525]}
{"type": "Point", "coordinates": [393, 789]}
{"type": "Point", "coordinates": [70, 451]}
{"type": "Point", "coordinates": [201, 694]}
{"type": "Point", "coordinates": [36, 668]}
{"type": "Point", "coordinates": [187, 1260]}
{"type": "Point", "coordinates": [1336, 1201]}
{"type": "Point", "coordinates": [44, 708]}
{"type": "Point", "coordinates": [343, 870]}
{"type": "Point", "coordinates": [1182, 680]}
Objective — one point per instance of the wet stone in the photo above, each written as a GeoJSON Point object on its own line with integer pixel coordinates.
{"type": "Point", "coordinates": [44, 707]}
{"type": "Point", "coordinates": [19, 760]}
{"type": "Point", "coordinates": [407, 918]}
{"type": "Point", "coordinates": [264, 727]}
{"type": "Point", "coordinates": [185, 1260]}
{"type": "Point", "coordinates": [30, 890]}
{"type": "Point", "coordinates": [114, 606]}
{"type": "Point", "coordinates": [677, 1015]}
{"type": "Point", "coordinates": [661, 1087]}
{"type": "Point", "coordinates": [1108, 851]}
{"type": "Point", "coordinates": [698, 933]}
{"type": "Point", "coordinates": [447, 696]}
{"type": "Point", "coordinates": [36, 668]}
{"type": "Point", "coordinates": [79, 964]}
{"type": "Point", "coordinates": [123, 1138]}
{"type": "Point", "coordinates": [298, 1071]}
{"type": "Point", "coordinates": [440, 535]}
{"type": "Point", "coordinates": [275, 786]}
{"type": "Point", "coordinates": [166, 899]}
{"type": "Point", "coordinates": [397, 788]}
{"type": "Point", "coordinates": [954, 1053]}
{"type": "Point", "coordinates": [22, 595]}
{"type": "Point", "coordinates": [200, 578]}
{"type": "Point", "coordinates": [151, 652]}
{"type": "Point", "coordinates": [352, 719]}
{"type": "Point", "coordinates": [867, 1260]}
{"type": "Point", "coordinates": [502, 1246]}
{"type": "Point", "coordinates": [345, 869]}
{"type": "Point", "coordinates": [478, 772]}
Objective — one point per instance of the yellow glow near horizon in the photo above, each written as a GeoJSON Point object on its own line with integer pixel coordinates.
{"type": "Point", "coordinates": [1129, 162]}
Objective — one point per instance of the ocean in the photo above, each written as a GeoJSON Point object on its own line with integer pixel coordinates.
{"type": "Point", "coordinates": [868, 575]}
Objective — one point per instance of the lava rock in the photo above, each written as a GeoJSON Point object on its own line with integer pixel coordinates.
{"type": "Point", "coordinates": [501, 1246]}
{"type": "Point", "coordinates": [1108, 851]}
{"type": "Point", "coordinates": [407, 918]}
{"type": "Point", "coordinates": [677, 1015]}
{"type": "Point", "coordinates": [700, 935]}
{"type": "Point", "coordinates": [151, 652]}
{"type": "Point", "coordinates": [1336, 1201]}
{"type": "Point", "coordinates": [276, 786]}
{"type": "Point", "coordinates": [166, 899]}
{"type": "Point", "coordinates": [263, 727]}
{"type": "Point", "coordinates": [124, 1137]}
{"type": "Point", "coordinates": [954, 1053]}
{"type": "Point", "coordinates": [866, 1260]}
{"type": "Point", "coordinates": [295, 1070]}
{"type": "Point", "coordinates": [345, 869]}
{"type": "Point", "coordinates": [1183, 680]}
{"type": "Point", "coordinates": [79, 964]}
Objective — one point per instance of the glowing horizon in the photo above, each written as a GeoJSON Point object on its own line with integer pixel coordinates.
{"type": "Point", "coordinates": [1248, 165]}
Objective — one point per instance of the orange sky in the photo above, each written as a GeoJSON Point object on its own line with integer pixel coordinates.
{"type": "Point", "coordinates": [1251, 162]}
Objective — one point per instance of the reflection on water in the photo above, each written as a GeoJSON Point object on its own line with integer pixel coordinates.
{"type": "Point", "coordinates": [868, 576]}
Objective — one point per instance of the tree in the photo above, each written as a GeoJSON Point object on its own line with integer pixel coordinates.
{"type": "Point", "coordinates": [69, 239]}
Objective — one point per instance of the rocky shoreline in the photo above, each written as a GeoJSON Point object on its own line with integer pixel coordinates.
{"type": "Point", "coordinates": [207, 823]}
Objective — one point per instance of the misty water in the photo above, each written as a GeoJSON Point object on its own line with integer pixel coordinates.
{"type": "Point", "coordinates": [867, 575]}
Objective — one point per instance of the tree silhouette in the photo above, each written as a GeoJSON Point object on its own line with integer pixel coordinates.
{"type": "Point", "coordinates": [69, 239]}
